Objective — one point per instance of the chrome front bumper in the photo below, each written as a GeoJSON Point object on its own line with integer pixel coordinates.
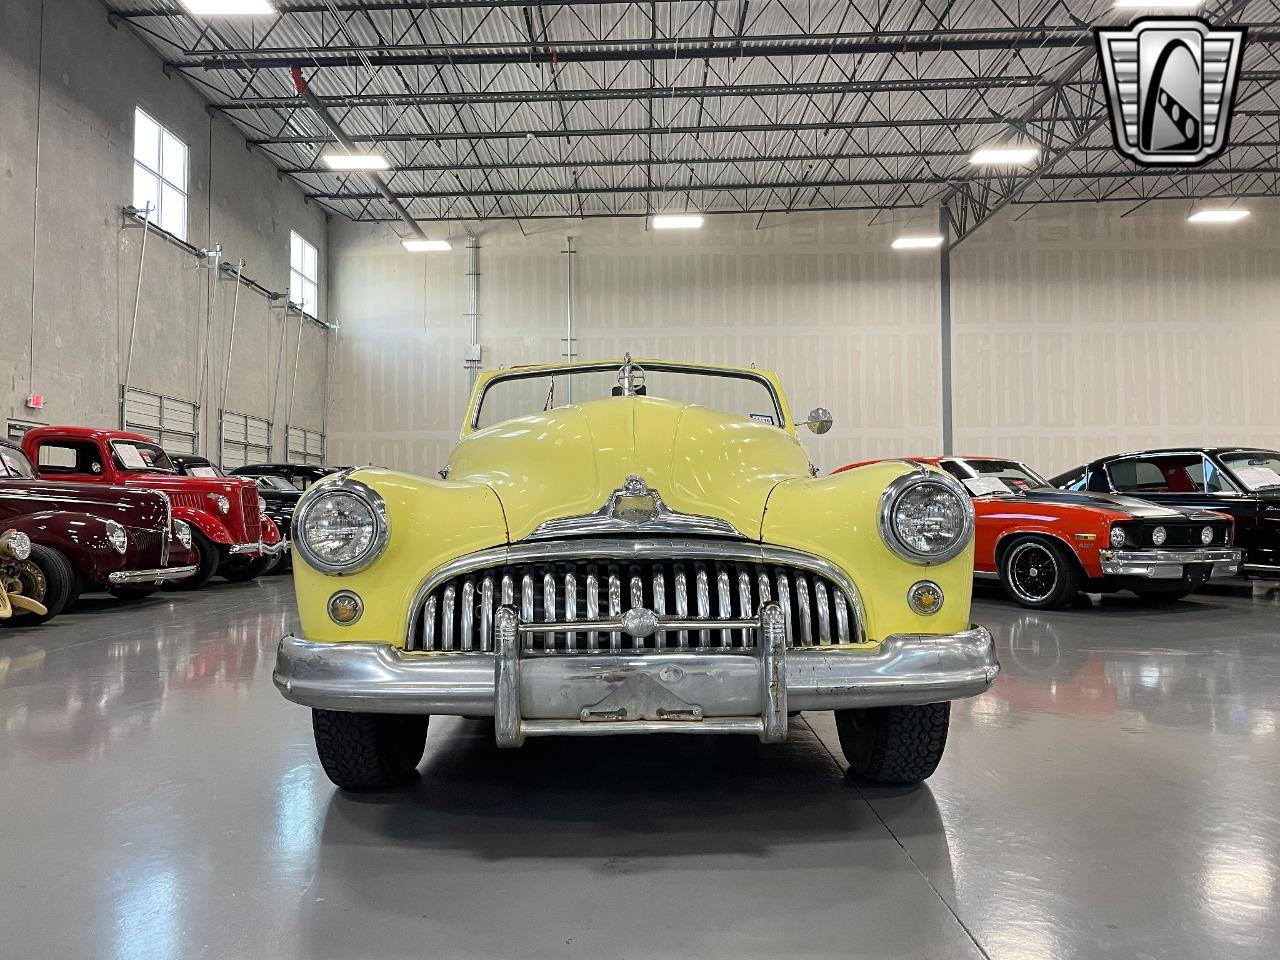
{"type": "Point", "coordinates": [696, 691]}
{"type": "Point", "coordinates": [264, 549]}
{"type": "Point", "coordinates": [161, 575]}
{"type": "Point", "coordinates": [1169, 564]}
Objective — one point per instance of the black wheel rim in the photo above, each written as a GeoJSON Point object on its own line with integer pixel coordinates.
{"type": "Point", "coordinates": [1033, 572]}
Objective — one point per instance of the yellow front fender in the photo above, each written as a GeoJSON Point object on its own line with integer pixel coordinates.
{"type": "Point", "coordinates": [837, 517]}
{"type": "Point", "coordinates": [430, 523]}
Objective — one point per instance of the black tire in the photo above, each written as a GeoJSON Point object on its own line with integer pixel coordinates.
{"type": "Point", "coordinates": [242, 569]}
{"type": "Point", "coordinates": [131, 593]}
{"type": "Point", "coordinates": [894, 744]}
{"type": "Point", "coordinates": [369, 751]}
{"type": "Point", "coordinates": [1039, 573]}
{"type": "Point", "coordinates": [210, 557]}
{"type": "Point", "coordinates": [1162, 597]}
{"type": "Point", "coordinates": [59, 581]}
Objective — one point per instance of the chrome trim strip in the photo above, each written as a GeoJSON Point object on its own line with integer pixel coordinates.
{"type": "Point", "coordinates": [161, 575]}
{"type": "Point", "coordinates": [605, 520]}
{"type": "Point", "coordinates": [380, 678]}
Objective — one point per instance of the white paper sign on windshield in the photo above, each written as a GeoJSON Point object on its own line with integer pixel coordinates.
{"type": "Point", "coordinates": [130, 456]}
{"type": "Point", "coordinates": [204, 472]}
{"type": "Point", "coordinates": [983, 486]}
{"type": "Point", "coordinates": [1257, 478]}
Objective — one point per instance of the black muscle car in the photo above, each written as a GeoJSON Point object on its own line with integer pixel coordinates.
{"type": "Point", "coordinates": [1243, 482]}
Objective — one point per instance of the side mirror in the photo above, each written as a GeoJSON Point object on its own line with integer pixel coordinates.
{"type": "Point", "coordinates": [819, 420]}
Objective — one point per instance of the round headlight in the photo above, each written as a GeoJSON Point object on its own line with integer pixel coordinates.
{"type": "Point", "coordinates": [1206, 536]}
{"type": "Point", "coordinates": [342, 528]}
{"type": "Point", "coordinates": [262, 507]}
{"type": "Point", "coordinates": [221, 502]}
{"type": "Point", "coordinates": [182, 530]}
{"type": "Point", "coordinates": [926, 517]}
{"type": "Point", "coordinates": [1117, 536]}
{"type": "Point", "coordinates": [19, 545]}
{"type": "Point", "coordinates": [1158, 536]}
{"type": "Point", "coordinates": [117, 537]}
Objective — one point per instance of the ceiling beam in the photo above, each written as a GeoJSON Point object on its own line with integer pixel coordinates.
{"type": "Point", "coordinates": [642, 93]}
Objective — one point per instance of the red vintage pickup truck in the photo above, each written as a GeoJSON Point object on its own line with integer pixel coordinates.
{"type": "Point", "coordinates": [229, 532]}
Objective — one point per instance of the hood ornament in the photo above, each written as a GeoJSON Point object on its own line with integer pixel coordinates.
{"type": "Point", "coordinates": [634, 507]}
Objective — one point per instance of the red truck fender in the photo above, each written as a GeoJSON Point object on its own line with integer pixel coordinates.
{"type": "Point", "coordinates": [203, 521]}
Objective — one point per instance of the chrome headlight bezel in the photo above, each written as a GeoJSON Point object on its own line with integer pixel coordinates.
{"type": "Point", "coordinates": [377, 510]}
{"type": "Point", "coordinates": [1206, 535]}
{"type": "Point", "coordinates": [182, 531]}
{"type": "Point", "coordinates": [904, 484]}
{"type": "Point", "coordinates": [117, 536]}
{"type": "Point", "coordinates": [221, 502]}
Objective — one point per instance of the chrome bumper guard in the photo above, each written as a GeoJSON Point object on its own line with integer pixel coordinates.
{"type": "Point", "coordinates": [703, 691]}
{"type": "Point", "coordinates": [1169, 564]}
{"type": "Point", "coordinates": [265, 549]}
{"type": "Point", "coordinates": [161, 575]}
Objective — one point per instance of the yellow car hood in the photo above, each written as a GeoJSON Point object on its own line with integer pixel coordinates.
{"type": "Point", "coordinates": [566, 462]}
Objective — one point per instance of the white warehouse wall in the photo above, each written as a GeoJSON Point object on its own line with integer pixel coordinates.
{"type": "Point", "coordinates": [820, 299]}
{"type": "Point", "coordinates": [1076, 332]}
{"type": "Point", "coordinates": [69, 83]}
{"type": "Point", "coordinates": [1079, 333]}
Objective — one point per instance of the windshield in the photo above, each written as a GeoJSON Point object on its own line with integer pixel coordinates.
{"type": "Point", "coordinates": [15, 464]}
{"type": "Point", "coordinates": [1255, 469]}
{"type": "Point", "coordinates": [521, 394]}
{"type": "Point", "coordinates": [984, 478]}
{"type": "Point", "coordinates": [138, 455]}
{"type": "Point", "coordinates": [202, 470]}
{"type": "Point", "coordinates": [276, 483]}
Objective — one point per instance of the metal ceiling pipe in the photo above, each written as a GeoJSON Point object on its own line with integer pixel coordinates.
{"type": "Point", "coordinates": [647, 50]}
{"type": "Point", "coordinates": [304, 91]}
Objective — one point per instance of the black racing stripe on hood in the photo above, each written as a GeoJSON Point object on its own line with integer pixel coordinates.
{"type": "Point", "coordinates": [1140, 509]}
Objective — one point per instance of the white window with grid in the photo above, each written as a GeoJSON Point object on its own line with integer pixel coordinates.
{"type": "Point", "coordinates": [172, 422]}
{"type": "Point", "coordinates": [245, 440]}
{"type": "Point", "coordinates": [160, 174]}
{"type": "Point", "coordinates": [304, 446]}
{"type": "Point", "coordinates": [304, 275]}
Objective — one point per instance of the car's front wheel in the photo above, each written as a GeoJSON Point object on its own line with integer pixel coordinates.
{"type": "Point", "coordinates": [242, 569]}
{"type": "Point", "coordinates": [369, 751]}
{"type": "Point", "coordinates": [1039, 573]}
{"type": "Point", "coordinates": [208, 558]}
{"type": "Point", "coordinates": [902, 744]}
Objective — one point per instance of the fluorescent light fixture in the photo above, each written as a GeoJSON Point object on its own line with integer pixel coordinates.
{"type": "Point", "coordinates": [1008, 156]}
{"type": "Point", "coordinates": [917, 243]}
{"type": "Point", "coordinates": [1157, 4]}
{"type": "Point", "coordinates": [414, 245]}
{"type": "Point", "coordinates": [229, 8]}
{"type": "Point", "coordinates": [1219, 215]}
{"type": "Point", "coordinates": [355, 161]}
{"type": "Point", "coordinates": [677, 221]}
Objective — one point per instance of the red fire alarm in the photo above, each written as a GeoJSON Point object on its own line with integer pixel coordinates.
{"type": "Point", "coordinates": [35, 401]}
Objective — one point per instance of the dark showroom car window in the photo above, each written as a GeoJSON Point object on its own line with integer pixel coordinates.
{"type": "Point", "coordinates": [69, 458]}
{"type": "Point", "coordinates": [1256, 469]}
{"type": "Point", "coordinates": [16, 464]}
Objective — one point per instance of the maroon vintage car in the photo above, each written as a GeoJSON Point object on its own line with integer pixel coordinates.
{"type": "Point", "coordinates": [225, 513]}
{"type": "Point", "coordinates": [86, 537]}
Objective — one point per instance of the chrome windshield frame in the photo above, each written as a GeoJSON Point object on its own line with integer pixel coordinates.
{"type": "Point", "coordinates": [473, 415]}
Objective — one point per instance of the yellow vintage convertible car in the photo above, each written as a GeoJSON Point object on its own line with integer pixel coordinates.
{"type": "Point", "coordinates": [633, 547]}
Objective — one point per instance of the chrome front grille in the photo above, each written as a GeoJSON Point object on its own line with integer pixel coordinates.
{"type": "Point", "coordinates": [457, 613]}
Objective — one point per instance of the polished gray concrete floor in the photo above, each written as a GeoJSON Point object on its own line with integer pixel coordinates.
{"type": "Point", "coordinates": [1117, 794]}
